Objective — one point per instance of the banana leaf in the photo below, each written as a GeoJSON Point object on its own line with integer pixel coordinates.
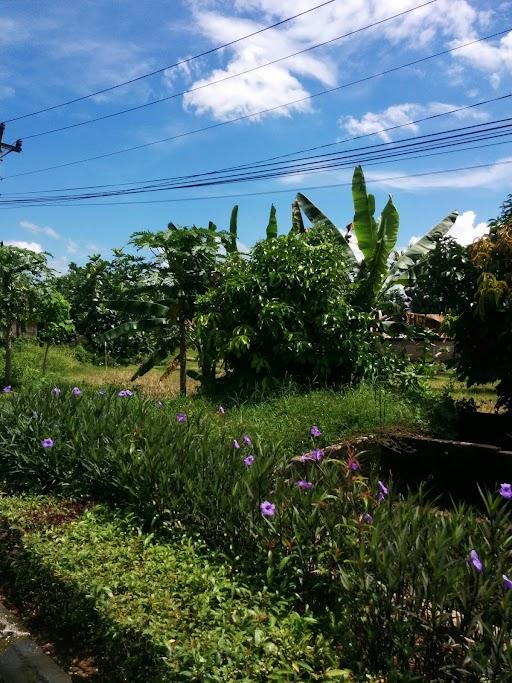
{"type": "Point", "coordinates": [365, 225]}
{"type": "Point", "coordinates": [233, 231]}
{"type": "Point", "coordinates": [155, 357]}
{"type": "Point", "coordinates": [272, 224]}
{"type": "Point", "coordinates": [297, 222]}
{"type": "Point", "coordinates": [400, 269]}
{"type": "Point", "coordinates": [317, 218]}
{"type": "Point", "coordinates": [142, 308]}
{"type": "Point", "coordinates": [386, 240]}
{"type": "Point", "coordinates": [132, 327]}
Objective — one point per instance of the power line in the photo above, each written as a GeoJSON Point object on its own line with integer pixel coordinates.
{"type": "Point", "coordinates": [287, 190]}
{"type": "Point", "coordinates": [270, 109]}
{"type": "Point", "coordinates": [359, 152]}
{"type": "Point", "coordinates": [225, 78]}
{"type": "Point", "coordinates": [187, 60]}
{"type": "Point", "coordinates": [330, 164]}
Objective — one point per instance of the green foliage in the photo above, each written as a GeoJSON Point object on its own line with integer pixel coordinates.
{"type": "Point", "coordinates": [483, 332]}
{"type": "Point", "coordinates": [22, 292]}
{"type": "Point", "coordinates": [91, 288]}
{"type": "Point", "coordinates": [375, 275]}
{"type": "Point", "coordinates": [184, 261]}
{"type": "Point", "coordinates": [285, 311]}
{"type": "Point", "coordinates": [152, 611]}
{"type": "Point", "coordinates": [394, 595]}
{"type": "Point", "coordinates": [444, 281]}
{"type": "Point", "coordinates": [55, 324]}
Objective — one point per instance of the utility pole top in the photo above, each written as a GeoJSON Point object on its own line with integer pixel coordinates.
{"type": "Point", "coordinates": [4, 147]}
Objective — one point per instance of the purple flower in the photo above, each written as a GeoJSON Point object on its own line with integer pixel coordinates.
{"type": "Point", "coordinates": [383, 492]}
{"type": "Point", "coordinates": [102, 392]}
{"type": "Point", "coordinates": [236, 444]}
{"type": "Point", "coordinates": [302, 484]}
{"type": "Point", "coordinates": [506, 490]}
{"type": "Point", "coordinates": [122, 393]}
{"type": "Point", "coordinates": [267, 509]}
{"type": "Point", "coordinates": [76, 391]}
{"type": "Point", "coordinates": [354, 465]}
{"type": "Point", "coordinates": [7, 389]}
{"type": "Point", "coordinates": [318, 454]}
{"type": "Point", "coordinates": [222, 410]}
{"type": "Point", "coordinates": [367, 518]}
{"type": "Point", "coordinates": [47, 443]}
{"type": "Point", "coordinates": [507, 583]}
{"type": "Point", "coordinates": [56, 392]}
{"type": "Point", "coordinates": [249, 460]}
{"type": "Point", "coordinates": [305, 457]}
{"type": "Point", "coordinates": [159, 404]}
{"type": "Point", "coordinates": [476, 561]}
{"type": "Point", "coordinates": [247, 440]}
{"type": "Point", "coordinates": [181, 417]}
{"type": "Point", "coordinates": [314, 431]}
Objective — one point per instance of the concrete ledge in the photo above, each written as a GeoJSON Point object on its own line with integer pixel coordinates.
{"type": "Point", "coordinates": [21, 660]}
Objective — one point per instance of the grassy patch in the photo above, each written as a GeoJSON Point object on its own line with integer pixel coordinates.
{"type": "Point", "coordinates": [484, 395]}
{"type": "Point", "coordinates": [152, 611]}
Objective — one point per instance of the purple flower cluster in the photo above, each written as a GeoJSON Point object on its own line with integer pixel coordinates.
{"type": "Point", "coordinates": [478, 565]}
{"type": "Point", "coordinates": [248, 461]}
{"type": "Point", "coordinates": [314, 431]}
{"type": "Point", "coordinates": [383, 492]}
{"type": "Point", "coordinates": [7, 389]}
{"type": "Point", "coordinates": [125, 393]}
{"type": "Point", "coordinates": [315, 455]}
{"type": "Point", "coordinates": [76, 391]}
{"type": "Point", "coordinates": [506, 491]}
{"type": "Point", "coordinates": [305, 485]}
{"type": "Point", "coordinates": [267, 509]}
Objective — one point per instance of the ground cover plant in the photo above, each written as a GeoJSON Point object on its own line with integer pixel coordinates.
{"type": "Point", "coordinates": [399, 587]}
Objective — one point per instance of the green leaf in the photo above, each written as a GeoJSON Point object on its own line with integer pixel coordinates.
{"type": "Point", "coordinates": [365, 225]}
{"type": "Point", "coordinates": [386, 240]}
{"type": "Point", "coordinates": [317, 218]}
{"type": "Point", "coordinates": [231, 246]}
{"type": "Point", "coordinates": [157, 356]}
{"type": "Point", "coordinates": [272, 224]}
{"type": "Point", "coordinates": [297, 222]}
{"type": "Point", "coordinates": [416, 252]}
{"type": "Point", "coordinates": [136, 307]}
{"type": "Point", "coordinates": [132, 327]}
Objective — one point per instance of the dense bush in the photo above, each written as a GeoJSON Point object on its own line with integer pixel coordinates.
{"type": "Point", "coordinates": [285, 311]}
{"type": "Point", "coordinates": [403, 588]}
{"type": "Point", "coordinates": [483, 332]}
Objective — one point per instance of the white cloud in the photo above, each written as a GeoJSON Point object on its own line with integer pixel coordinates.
{"type": "Point", "coordinates": [400, 115]}
{"type": "Point", "coordinates": [31, 246]}
{"type": "Point", "coordinates": [38, 229]}
{"type": "Point", "coordinates": [224, 20]}
{"type": "Point", "coordinates": [71, 247]}
{"type": "Point", "coordinates": [464, 230]}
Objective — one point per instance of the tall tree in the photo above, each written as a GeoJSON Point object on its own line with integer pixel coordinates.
{"type": "Point", "coordinates": [183, 263]}
{"type": "Point", "coordinates": [22, 274]}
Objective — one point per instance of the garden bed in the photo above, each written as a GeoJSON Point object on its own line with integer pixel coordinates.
{"type": "Point", "coordinates": [148, 611]}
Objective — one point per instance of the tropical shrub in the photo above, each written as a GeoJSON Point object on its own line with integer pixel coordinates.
{"type": "Point", "coordinates": [284, 311]}
{"type": "Point", "coordinates": [444, 280]}
{"type": "Point", "coordinates": [483, 332]}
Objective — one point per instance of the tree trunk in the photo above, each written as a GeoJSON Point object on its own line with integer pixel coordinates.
{"type": "Point", "coordinates": [8, 354]}
{"type": "Point", "coordinates": [45, 359]}
{"type": "Point", "coordinates": [183, 355]}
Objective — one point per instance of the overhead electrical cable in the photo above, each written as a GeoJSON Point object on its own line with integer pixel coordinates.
{"type": "Point", "coordinates": [324, 165]}
{"type": "Point", "coordinates": [270, 109]}
{"type": "Point", "coordinates": [225, 78]}
{"type": "Point", "coordinates": [477, 129]}
{"type": "Point", "coordinates": [180, 62]}
{"type": "Point", "coordinates": [286, 190]}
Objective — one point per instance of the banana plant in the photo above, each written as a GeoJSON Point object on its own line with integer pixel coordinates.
{"type": "Point", "coordinates": [376, 239]}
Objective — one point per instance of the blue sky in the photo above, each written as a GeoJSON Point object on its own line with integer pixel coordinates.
{"type": "Point", "coordinates": [56, 50]}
